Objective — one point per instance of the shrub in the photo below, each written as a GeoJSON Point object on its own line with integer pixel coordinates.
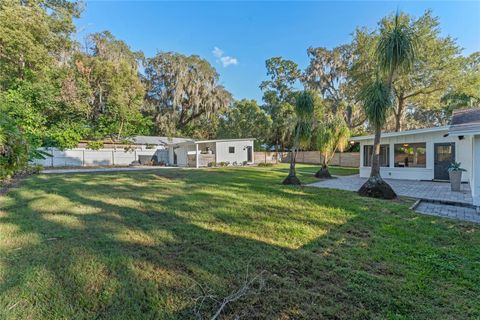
{"type": "Point", "coordinates": [94, 145]}
{"type": "Point", "coordinates": [14, 148]}
{"type": "Point", "coordinates": [267, 164]}
{"type": "Point", "coordinates": [37, 168]}
{"type": "Point", "coordinates": [212, 164]}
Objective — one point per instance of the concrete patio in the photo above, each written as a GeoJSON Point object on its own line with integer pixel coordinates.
{"type": "Point", "coordinates": [430, 190]}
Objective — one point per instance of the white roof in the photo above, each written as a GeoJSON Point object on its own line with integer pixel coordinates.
{"type": "Point", "coordinates": [212, 141]}
{"type": "Point", "coordinates": [157, 140]}
{"type": "Point", "coordinates": [225, 140]}
{"type": "Point", "coordinates": [165, 141]}
{"type": "Point", "coordinates": [403, 133]}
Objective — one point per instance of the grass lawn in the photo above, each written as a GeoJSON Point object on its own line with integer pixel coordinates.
{"type": "Point", "coordinates": [171, 244]}
{"type": "Point", "coordinates": [313, 168]}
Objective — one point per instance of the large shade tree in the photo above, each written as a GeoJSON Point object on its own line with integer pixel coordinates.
{"type": "Point", "coordinates": [245, 119]}
{"type": "Point", "coordinates": [436, 69]}
{"type": "Point", "coordinates": [395, 53]}
{"type": "Point", "coordinates": [304, 111]}
{"type": "Point", "coordinates": [279, 99]}
{"type": "Point", "coordinates": [34, 38]}
{"type": "Point", "coordinates": [328, 74]}
{"type": "Point", "coordinates": [182, 89]}
{"type": "Point", "coordinates": [464, 93]}
{"type": "Point", "coordinates": [108, 78]}
{"type": "Point", "coordinates": [36, 48]}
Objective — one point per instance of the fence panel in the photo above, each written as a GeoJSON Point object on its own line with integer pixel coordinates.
{"type": "Point", "coordinates": [79, 157]}
{"type": "Point", "coordinates": [341, 159]}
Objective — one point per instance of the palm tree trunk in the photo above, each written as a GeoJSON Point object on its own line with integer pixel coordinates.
{"type": "Point", "coordinates": [292, 176]}
{"type": "Point", "coordinates": [276, 150]}
{"type": "Point", "coordinates": [293, 156]}
{"type": "Point", "coordinates": [398, 114]}
{"type": "Point", "coordinates": [376, 154]}
{"type": "Point", "coordinates": [323, 173]}
{"type": "Point", "coordinates": [375, 186]}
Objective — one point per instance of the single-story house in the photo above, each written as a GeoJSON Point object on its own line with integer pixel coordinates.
{"type": "Point", "coordinates": [426, 154]}
{"type": "Point", "coordinates": [201, 153]}
{"type": "Point", "coordinates": [181, 152]}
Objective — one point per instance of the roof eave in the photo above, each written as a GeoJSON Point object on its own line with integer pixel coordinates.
{"type": "Point", "coordinates": [401, 133]}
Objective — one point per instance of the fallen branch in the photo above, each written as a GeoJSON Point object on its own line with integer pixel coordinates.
{"type": "Point", "coordinates": [237, 294]}
{"type": "Point", "coordinates": [232, 297]}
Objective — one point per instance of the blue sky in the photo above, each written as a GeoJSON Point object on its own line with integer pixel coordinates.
{"type": "Point", "coordinates": [237, 37]}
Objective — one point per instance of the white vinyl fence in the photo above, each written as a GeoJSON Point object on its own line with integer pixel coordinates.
{"type": "Point", "coordinates": [81, 157]}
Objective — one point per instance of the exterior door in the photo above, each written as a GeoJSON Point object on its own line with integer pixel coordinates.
{"type": "Point", "coordinates": [444, 155]}
{"type": "Point", "coordinates": [249, 154]}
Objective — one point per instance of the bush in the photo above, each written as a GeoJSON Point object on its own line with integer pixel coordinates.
{"type": "Point", "coordinates": [212, 164]}
{"type": "Point", "coordinates": [223, 164]}
{"type": "Point", "coordinates": [94, 145]}
{"type": "Point", "coordinates": [267, 164]}
{"type": "Point", "coordinates": [37, 168]}
{"type": "Point", "coordinates": [14, 148]}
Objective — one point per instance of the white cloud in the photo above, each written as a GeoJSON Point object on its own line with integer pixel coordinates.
{"type": "Point", "coordinates": [224, 60]}
{"type": "Point", "coordinates": [217, 52]}
{"type": "Point", "coordinates": [227, 60]}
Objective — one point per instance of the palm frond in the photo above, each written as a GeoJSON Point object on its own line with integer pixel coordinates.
{"type": "Point", "coordinates": [304, 109]}
{"type": "Point", "coordinates": [305, 106]}
{"type": "Point", "coordinates": [377, 101]}
{"type": "Point", "coordinates": [396, 47]}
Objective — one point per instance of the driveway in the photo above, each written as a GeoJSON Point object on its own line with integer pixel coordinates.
{"type": "Point", "coordinates": [429, 190]}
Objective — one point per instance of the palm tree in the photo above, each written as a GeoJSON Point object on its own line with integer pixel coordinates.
{"type": "Point", "coordinates": [331, 135]}
{"type": "Point", "coordinates": [395, 52]}
{"type": "Point", "coordinates": [304, 109]}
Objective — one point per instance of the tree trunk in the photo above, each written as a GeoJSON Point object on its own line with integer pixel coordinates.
{"type": "Point", "coordinates": [276, 150]}
{"type": "Point", "coordinates": [375, 186]}
{"type": "Point", "coordinates": [292, 177]}
{"type": "Point", "coordinates": [323, 173]}
{"type": "Point", "coordinates": [399, 113]}
{"type": "Point", "coordinates": [376, 154]}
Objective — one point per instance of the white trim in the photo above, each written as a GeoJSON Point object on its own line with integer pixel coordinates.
{"type": "Point", "coordinates": [464, 130]}
{"type": "Point", "coordinates": [224, 140]}
{"type": "Point", "coordinates": [209, 141]}
{"type": "Point", "coordinates": [402, 133]}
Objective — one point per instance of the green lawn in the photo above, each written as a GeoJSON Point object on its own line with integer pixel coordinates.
{"type": "Point", "coordinates": [171, 244]}
{"type": "Point", "coordinates": [300, 167]}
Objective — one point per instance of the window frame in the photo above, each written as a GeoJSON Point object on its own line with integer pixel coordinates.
{"type": "Point", "coordinates": [230, 148]}
{"type": "Point", "coordinates": [416, 146]}
{"type": "Point", "coordinates": [368, 164]}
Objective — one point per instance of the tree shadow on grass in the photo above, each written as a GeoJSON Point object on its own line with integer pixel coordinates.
{"type": "Point", "coordinates": [141, 256]}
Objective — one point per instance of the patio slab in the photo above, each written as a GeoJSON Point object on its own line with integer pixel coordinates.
{"type": "Point", "coordinates": [429, 190]}
{"type": "Point", "coordinates": [448, 211]}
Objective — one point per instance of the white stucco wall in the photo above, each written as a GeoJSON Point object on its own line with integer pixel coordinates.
{"type": "Point", "coordinates": [463, 154]}
{"type": "Point", "coordinates": [240, 154]}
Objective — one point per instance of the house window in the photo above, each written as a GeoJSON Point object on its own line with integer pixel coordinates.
{"type": "Point", "coordinates": [413, 155]}
{"type": "Point", "coordinates": [231, 149]}
{"type": "Point", "coordinates": [384, 155]}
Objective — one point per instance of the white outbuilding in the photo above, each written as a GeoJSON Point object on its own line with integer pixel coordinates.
{"type": "Point", "coordinates": [202, 153]}
{"type": "Point", "coordinates": [426, 154]}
